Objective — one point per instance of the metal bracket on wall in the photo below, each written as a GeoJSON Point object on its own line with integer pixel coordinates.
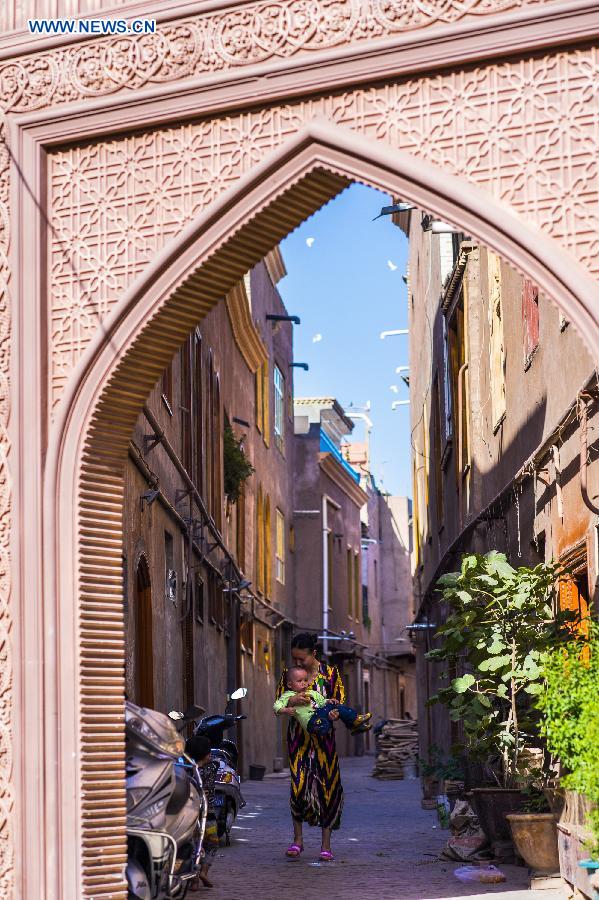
{"type": "Point", "coordinates": [151, 440]}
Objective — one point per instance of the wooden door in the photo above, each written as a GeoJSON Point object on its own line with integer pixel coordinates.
{"type": "Point", "coordinates": [144, 654]}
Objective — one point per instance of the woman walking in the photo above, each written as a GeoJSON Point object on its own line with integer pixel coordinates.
{"type": "Point", "coordinates": [316, 791]}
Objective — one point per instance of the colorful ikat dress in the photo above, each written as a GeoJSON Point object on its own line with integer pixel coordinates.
{"type": "Point", "coordinates": [316, 791]}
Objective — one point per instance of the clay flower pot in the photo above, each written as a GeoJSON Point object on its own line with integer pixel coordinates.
{"type": "Point", "coordinates": [491, 805]}
{"type": "Point", "coordinates": [535, 839]}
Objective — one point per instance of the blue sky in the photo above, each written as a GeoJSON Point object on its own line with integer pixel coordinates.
{"type": "Point", "coordinates": [344, 289]}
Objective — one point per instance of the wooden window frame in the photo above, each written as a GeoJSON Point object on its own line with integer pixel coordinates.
{"type": "Point", "coordinates": [198, 424]}
{"type": "Point", "coordinates": [350, 583]}
{"type": "Point", "coordinates": [185, 405]}
{"type": "Point", "coordinates": [279, 546]}
{"type": "Point", "coordinates": [279, 410]}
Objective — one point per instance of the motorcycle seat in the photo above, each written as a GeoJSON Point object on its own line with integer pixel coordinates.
{"type": "Point", "coordinates": [180, 795]}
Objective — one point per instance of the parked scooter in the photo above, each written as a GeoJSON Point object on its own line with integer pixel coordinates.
{"type": "Point", "coordinates": [166, 808]}
{"type": "Point", "coordinates": [228, 798]}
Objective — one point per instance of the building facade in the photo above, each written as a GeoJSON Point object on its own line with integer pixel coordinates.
{"type": "Point", "coordinates": [352, 570]}
{"type": "Point", "coordinates": [208, 568]}
{"type": "Point", "coordinates": [501, 405]}
{"type": "Point", "coordinates": [389, 672]}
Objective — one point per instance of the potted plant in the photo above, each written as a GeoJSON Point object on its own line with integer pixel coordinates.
{"type": "Point", "coordinates": [534, 832]}
{"type": "Point", "coordinates": [500, 620]}
{"type": "Point", "coordinates": [569, 705]}
{"type": "Point", "coordinates": [236, 466]}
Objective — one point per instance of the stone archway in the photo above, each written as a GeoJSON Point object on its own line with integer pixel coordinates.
{"type": "Point", "coordinates": [219, 100]}
{"type": "Point", "coordinates": [124, 361]}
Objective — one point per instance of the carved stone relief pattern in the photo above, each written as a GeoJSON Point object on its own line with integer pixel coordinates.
{"type": "Point", "coordinates": [526, 131]}
{"type": "Point", "coordinates": [6, 666]}
{"type": "Point", "coordinates": [248, 34]}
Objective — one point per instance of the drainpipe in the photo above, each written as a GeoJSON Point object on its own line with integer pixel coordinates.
{"type": "Point", "coordinates": [584, 402]}
{"type": "Point", "coordinates": [325, 575]}
{"type": "Point", "coordinates": [461, 385]}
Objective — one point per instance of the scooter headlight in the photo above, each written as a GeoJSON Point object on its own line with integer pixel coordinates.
{"type": "Point", "coordinates": [174, 747]}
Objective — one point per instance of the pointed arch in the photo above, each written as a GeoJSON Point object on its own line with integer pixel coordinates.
{"type": "Point", "coordinates": [83, 489]}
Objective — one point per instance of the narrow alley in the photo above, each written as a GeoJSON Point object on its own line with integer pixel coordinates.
{"type": "Point", "coordinates": [387, 849]}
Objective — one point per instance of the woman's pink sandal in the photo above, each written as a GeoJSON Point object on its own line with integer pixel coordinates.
{"type": "Point", "coordinates": [326, 855]}
{"type": "Point", "coordinates": [294, 850]}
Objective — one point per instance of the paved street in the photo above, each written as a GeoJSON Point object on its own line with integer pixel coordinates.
{"type": "Point", "coordinates": [386, 849]}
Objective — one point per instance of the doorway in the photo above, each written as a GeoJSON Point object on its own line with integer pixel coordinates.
{"type": "Point", "coordinates": [144, 666]}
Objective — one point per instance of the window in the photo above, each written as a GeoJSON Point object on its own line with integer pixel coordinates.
{"type": "Point", "coordinates": [448, 411]}
{"type": "Point", "coordinates": [497, 350]}
{"type": "Point", "coordinates": [166, 387]}
{"type": "Point", "coordinates": [530, 320]}
{"type": "Point", "coordinates": [216, 600]}
{"type": "Point", "coordinates": [357, 585]}
{"type": "Point", "coordinates": [259, 548]}
{"type": "Point", "coordinates": [279, 385]}
{"type": "Point", "coordinates": [217, 456]}
{"type": "Point", "coordinates": [330, 564]}
{"type": "Point", "coordinates": [259, 401]}
{"type": "Point", "coordinates": [246, 635]}
{"type": "Point", "coordinates": [240, 529]}
{"type": "Point", "coordinates": [185, 405]}
{"type": "Point", "coordinates": [280, 548]}
{"type": "Point", "coordinates": [198, 386]}
{"type": "Point", "coordinates": [268, 566]}
{"type": "Point", "coordinates": [375, 580]}
{"type": "Point", "coordinates": [262, 401]}
{"type": "Point", "coordinates": [437, 451]}
{"type": "Point", "coordinates": [208, 433]}
{"type": "Point", "coordinates": [350, 583]}
{"type": "Point", "coordinates": [456, 377]}
{"type": "Point", "coordinates": [415, 515]}
{"type": "Point", "coordinates": [574, 590]}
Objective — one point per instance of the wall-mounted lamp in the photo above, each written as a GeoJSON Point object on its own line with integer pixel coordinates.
{"type": "Point", "coordinates": [429, 223]}
{"type": "Point", "coordinates": [271, 317]}
{"type": "Point", "coordinates": [149, 497]}
{"type": "Point", "coordinates": [303, 366]}
{"type": "Point", "coordinates": [396, 208]}
{"type": "Point", "coordinates": [385, 334]}
{"type": "Point", "coordinates": [397, 403]}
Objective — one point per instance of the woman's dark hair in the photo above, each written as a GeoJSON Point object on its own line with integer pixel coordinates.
{"type": "Point", "coordinates": [305, 641]}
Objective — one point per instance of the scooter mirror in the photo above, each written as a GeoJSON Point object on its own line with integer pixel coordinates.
{"type": "Point", "coordinates": [239, 694]}
{"type": "Point", "coordinates": [176, 715]}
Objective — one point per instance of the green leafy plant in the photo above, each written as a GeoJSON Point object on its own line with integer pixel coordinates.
{"type": "Point", "coordinates": [237, 468]}
{"type": "Point", "coordinates": [500, 622]}
{"type": "Point", "coordinates": [440, 767]}
{"type": "Point", "coordinates": [569, 705]}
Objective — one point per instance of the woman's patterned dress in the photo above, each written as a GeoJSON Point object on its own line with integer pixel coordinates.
{"type": "Point", "coordinates": [316, 791]}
